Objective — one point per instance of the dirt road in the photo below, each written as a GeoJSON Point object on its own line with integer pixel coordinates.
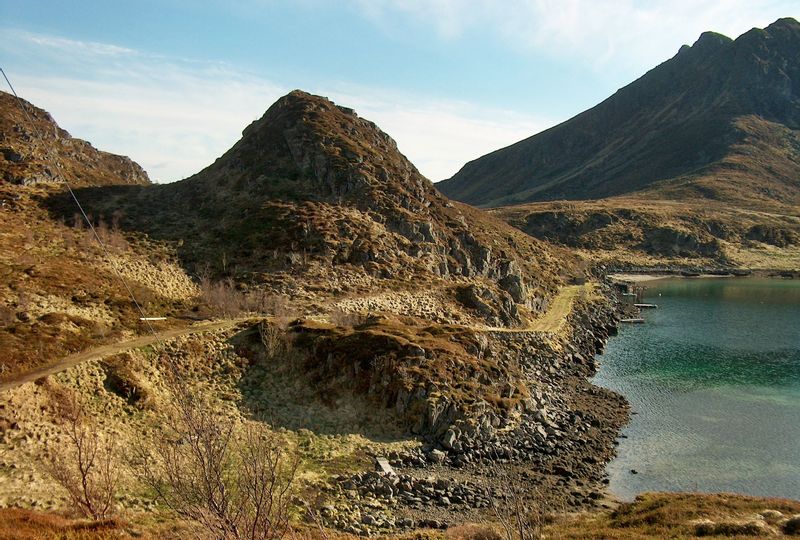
{"type": "Point", "coordinates": [556, 314]}
{"type": "Point", "coordinates": [113, 348]}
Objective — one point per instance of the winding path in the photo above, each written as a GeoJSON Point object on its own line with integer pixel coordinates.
{"type": "Point", "coordinates": [103, 351]}
{"type": "Point", "coordinates": [551, 321]}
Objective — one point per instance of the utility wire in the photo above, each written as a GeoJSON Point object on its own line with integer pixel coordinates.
{"type": "Point", "coordinates": [83, 213]}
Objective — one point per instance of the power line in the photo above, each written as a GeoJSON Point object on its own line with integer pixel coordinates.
{"type": "Point", "coordinates": [60, 176]}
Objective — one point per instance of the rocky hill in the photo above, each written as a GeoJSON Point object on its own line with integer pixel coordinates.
{"type": "Point", "coordinates": [398, 306]}
{"type": "Point", "coordinates": [314, 200]}
{"type": "Point", "coordinates": [702, 235]}
{"type": "Point", "coordinates": [32, 146]}
{"type": "Point", "coordinates": [719, 120]}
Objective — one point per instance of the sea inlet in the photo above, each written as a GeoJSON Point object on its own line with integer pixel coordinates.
{"type": "Point", "coordinates": [713, 379]}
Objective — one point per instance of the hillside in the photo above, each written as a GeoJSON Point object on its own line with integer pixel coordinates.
{"type": "Point", "coordinates": [719, 121]}
{"type": "Point", "coordinates": [362, 313]}
{"type": "Point", "coordinates": [58, 293]}
{"type": "Point", "coordinates": [32, 144]}
{"type": "Point", "coordinates": [314, 201]}
{"type": "Point", "coordinates": [699, 235]}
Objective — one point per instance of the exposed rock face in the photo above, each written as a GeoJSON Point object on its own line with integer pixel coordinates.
{"type": "Point", "coordinates": [31, 153]}
{"type": "Point", "coordinates": [718, 120]}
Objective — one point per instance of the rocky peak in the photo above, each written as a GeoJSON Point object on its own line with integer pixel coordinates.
{"type": "Point", "coordinates": [321, 151]}
{"type": "Point", "coordinates": [33, 146]}
{"type": "Point", "coordinates": [709, 41]}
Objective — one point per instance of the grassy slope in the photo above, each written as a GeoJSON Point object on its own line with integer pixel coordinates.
{"type": "Point", "coordinates": [644, 232]}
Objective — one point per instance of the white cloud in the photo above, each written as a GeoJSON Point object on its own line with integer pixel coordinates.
{"type": "Point", "coordinates": [175, 117]}
{"type": "Point", "coordinates": [171, 116]}
{"type": "Point", "coordinates": [596, 33]}
{"type": "Point", "coordinates": [439, 136]}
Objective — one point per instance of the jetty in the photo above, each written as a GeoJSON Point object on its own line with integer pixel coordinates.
{"type": "Point", "coordinates": [646, 306]}
{"type": "Point", "coordinates": [632, 321]}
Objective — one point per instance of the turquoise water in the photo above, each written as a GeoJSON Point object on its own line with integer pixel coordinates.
{"type": "Point", "coordinates": [714, 377]}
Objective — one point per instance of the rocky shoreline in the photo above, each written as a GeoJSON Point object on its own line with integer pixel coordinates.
{"type": "Point", "coordinates": [550, 452]}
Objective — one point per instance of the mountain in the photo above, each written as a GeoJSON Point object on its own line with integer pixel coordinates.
{"type": "Point", "coordinates": [357, 303]}
{"type": "Point", "coordinates": [720, 120]}
{"type": "Point", "coordinates": [315, 198]}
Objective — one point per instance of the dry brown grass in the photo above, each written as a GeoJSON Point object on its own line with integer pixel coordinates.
{"type": "Point", "coordinates": [677, 515]}
{"type": "Point", "coordinates": [19, 524]}
{"type": "Point", "coordinates": [473, 531]}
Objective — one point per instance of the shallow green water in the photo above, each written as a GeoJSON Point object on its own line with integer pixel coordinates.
{"type": "Point", "coordinates": [714, 377]}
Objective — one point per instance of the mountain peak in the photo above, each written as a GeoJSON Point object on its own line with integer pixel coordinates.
{"type": "Point", "coordinates": [712, 39]}
{"type": "Point", "coordinates": [785, 22]}
{"type": "Point", "coordinates": [307, 147]}
{"type": "Point", "coordinates": [686, 118]}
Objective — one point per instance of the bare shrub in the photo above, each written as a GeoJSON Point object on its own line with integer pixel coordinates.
{"type": "Point", "coordinates": [525, 512]}
{"type": "Point", "coordinates": [222, 296]}
{"type": "Point", "coordinates": [276, 341]}
{"type": "Point", "coordinates": [86, 467]}
{"type": "Point", "coordinates": [226, 300]}
{"type": "Point", "coordinates": [231, 483]}
{"type": "Point", "coordinates": [111, 236]}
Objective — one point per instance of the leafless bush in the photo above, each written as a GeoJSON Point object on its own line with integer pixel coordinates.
{"type": "Point", "coordinates": [86, 467]}
{"type": "Point", "coordinates": [232, 484]}
{"type": "Point", "coordinates": [222, 296]}
{"type": "Point", "coordinates": [111, 236]}
{"type": "Point", "coordinates": [228, 301]}
{"type": "Point", "coordinates": [276, 342]}
{"type": "Point", "coordinates": [525, 512]}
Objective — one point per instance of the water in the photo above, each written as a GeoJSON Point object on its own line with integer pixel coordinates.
{"type": "Point", "coordinates": [714, 376]}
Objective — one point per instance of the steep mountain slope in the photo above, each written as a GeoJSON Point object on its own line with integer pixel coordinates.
{"type": "Point", "coordinates": [719, 120]}
{"type": "Point", "coordinates": [58, 293]}
{"type": "Point", "coordinates": [315, 200]}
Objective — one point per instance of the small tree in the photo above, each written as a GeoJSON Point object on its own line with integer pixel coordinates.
{"type": "Point", "coordinates": [522, 517]}
{"type": "Point", "coordinates": [86, 467]}
{"type": "Point", "coordinates": [233, 484]}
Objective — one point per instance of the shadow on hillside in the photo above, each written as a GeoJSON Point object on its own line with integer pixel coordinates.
{"type": "Point", "coordinates": [207, 232]}
{"type": "Point", "coordinates": [275, 390]}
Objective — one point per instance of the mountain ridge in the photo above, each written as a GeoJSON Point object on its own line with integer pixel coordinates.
{"type": "Point", "coordinates": [674, 122]}
{"type": "Point", "coordinates": [32, 146]}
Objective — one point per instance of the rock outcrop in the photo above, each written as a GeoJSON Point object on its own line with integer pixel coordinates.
{"type": "Point", "coordinates": [34, 150]}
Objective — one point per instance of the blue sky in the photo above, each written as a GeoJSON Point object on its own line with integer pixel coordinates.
{"type": "Point", "coordinates": [172, 83]}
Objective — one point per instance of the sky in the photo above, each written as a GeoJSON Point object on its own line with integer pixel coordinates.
{"type": "Point", "coordinates": [172, 83]}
